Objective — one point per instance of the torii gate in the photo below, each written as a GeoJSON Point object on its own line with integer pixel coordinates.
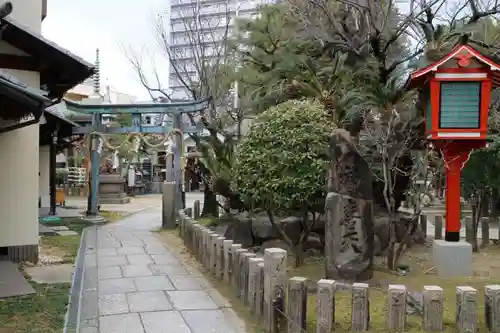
{"type": "Point", "coordinates": [98, 109]}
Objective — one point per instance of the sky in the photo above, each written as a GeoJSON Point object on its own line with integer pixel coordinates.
{"type": "Point", "coordinates": [112, 26]}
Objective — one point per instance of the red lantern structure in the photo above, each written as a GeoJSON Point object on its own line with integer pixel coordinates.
{"type": "Point", "coordinates": [456, 116]}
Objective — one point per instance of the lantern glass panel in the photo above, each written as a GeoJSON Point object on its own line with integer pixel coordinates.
{"type": "Point", "coordinates": [460, 105]}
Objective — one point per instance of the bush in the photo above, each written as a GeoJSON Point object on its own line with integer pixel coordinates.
{"type": "Point", "coordinates": [281, 164]}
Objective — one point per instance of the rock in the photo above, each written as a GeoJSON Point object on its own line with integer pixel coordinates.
{"type": "Point", "coordinates": [51, 274]}
{"type": "Point", "coordinates": [381, 230]}
{"type": "Point", "coordinates": [273, 243]}
{"type": "Point", "coordinates": [263, 229]}
{"type": "Point", "coordinates": [314, 242]}
{"type": "Point", "coordinates": [240, 231]}
{"type": "Point", "coordinates": [377, 247]}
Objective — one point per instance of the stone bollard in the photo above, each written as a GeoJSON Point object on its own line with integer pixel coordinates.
{"type": "Point", "coordinates": [296, 310]}
{"type": "Point", "coordinates": [226, 248]}
{"type": "Point", "coordinates": [196, 238]}
{"type": "Point", "coordinates": [196, 209]}
{"type": "Point", "coordinates": [207, 248]}
{"type": "Point", "coordinates": [433, 298]}
{"type": "Point", "coordinates": [438, 227]}
{"type": "Point", "coordinates": [259, 291]}
{"type": "Point", "coordinates": [492, 308]}
{"type": "Point", "coordinates": [325, 306]}
{"type": "Point", "coordinates": [360, 315]}
{"type": "Point", "coordinates": [219, 257]}
{"type": "Point", "coordinates": [423, 224]}
{"type": "Point", "coordinates": [469, 230]}
{"type": "Point", "coordinates": [168, 205]}
{"type": "Point", "coordinates": [189, 212]}
{"type": "Point", "coordinates": [244, 271]}
{"type": "Point", "coordinates": [232, 255]}
{"type": "Point", "coordinates": [396, 311]}
{"type": "Point", "coordinates": [485, 231]}
{"type": "Point", "coordinates": [253, 271]}
{"type": "Point", "coordinates": [466, 309]}
{"type": "Point", "coordinates": [274, 277]}
{"type": "Point", "coordinates": [237, 271]}
{"type": "Point", "coordinates": [213, 252]}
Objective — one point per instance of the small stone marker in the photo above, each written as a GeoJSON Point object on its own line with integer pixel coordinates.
{"type": "Point", "coordinates": [196, 209]}
{"type": "Point", "coordinates": [237, 271]}
{"type": "Point", "coordinates": [360, 307]}
{"type": "Point", "coordinates": [207, 248]}
{"type": "Point", "coordinates": [244, 263]}
{"type": "Point", "coordinates": [234, 268]}
{"type": "Point", "coordinates": [259, 290]}
{"type": "Point", "coordinates": [492, 307]}
{"type": "Point", "coordinates": [325, 306]}
{"type": "Point", "coordinates": [485, 230]}
{"type": "Point", "coordinates": [297, 305]}
{"type": "Point", "coordinates": [433, 309]}
{"type": "Point", "coordinates": [423, 224]}
{"type": "Point", "coordinates": [213, 252]}
{"type": "Point", "coordinates": [438, 227]}
{"type": "Point", "coordinates": [253, 271]}
{"type": "Point", "coordinates": [219, 257]}
{"type": "Point", "coordinates": [469, 230]}
{"type": "Point", "coordinates": [226, 248]}
{"type": "Point", "coordinates": [466, 309]}
{"type": "Point", "coordinates": [396, 311]}
{"type": "Point", "coordinates": [274, 277]}
{"type": "Point", "coordinates": [66, 233]}
{"type": "Point", "coordinates": [189, 212]}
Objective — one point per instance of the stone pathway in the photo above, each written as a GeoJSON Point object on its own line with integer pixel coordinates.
{"type": "Point", "coordinates": [133, 284]}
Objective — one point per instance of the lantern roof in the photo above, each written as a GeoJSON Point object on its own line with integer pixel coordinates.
{"type": "Point", "coordinates": [463, 54]}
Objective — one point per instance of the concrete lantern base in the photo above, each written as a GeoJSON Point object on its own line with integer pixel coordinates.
{"type": "Point", "coordinates": [452, 259]}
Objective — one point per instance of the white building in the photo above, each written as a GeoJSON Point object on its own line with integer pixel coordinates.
{"type": "Point", "coordinates": [198, 29]}
{"type": "Point", "coordinates": [28, 139]}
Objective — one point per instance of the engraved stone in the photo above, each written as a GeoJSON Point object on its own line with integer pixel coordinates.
{"type": "Point", "coordinates": [360, 307]}
{"type": "Point", "coordinates": [433, 309]}
{"type": "Point", "coordinates": [226, 248]}
{"type": "Point", "coordinates": [244, 272]}
{"type": "Point", "coordinates": [219, 257]}
{"type": "Point", "coordinates": [213, 252]}
{"type": "Point", "coordinates": [466, 309]}
{"type": "Point", "coordinates": [325, 306]}
{"type": "Point", "coordinates": [396, 312]}
{"type": "Point", "coordinates": [237, 271]}
{"type": "Point", "coordinates": [297, 305]}
{"type": "Point", "coordinates": [274, 278]}
{"type": "Point", "coordinates": [234, 266]}
{"type": "Point", "coordinates": [492, 307]}
{"type": "Point", "coordinates": [259, 290]}
{"type": "Point", "coordinates": [253, 271]}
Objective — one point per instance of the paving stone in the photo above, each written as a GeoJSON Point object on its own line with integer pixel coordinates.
{"type": "Point", "coordinates": [90, 279]}
{"type": "Point", "coordinates": [88, 308]}
{"type": "Point", "coordinates": [170, 270]}
{"type": "Point", "coordinates": [112, 261]}
{"type": "Point", "coordinates": [164, 322]}
{"type": "Point", "coordinates": [207, 321]}
{"type": "Point", "coordinates": [191, 300]}
{"type": "Point", "coordinates": [116, 286]}
{"type": "Point", "coordinates": [112, 251]}
{"type": "Point", "coordinates": [89, 329]}
{"type": "Point", "coordinates": [108, 244]}
{"type": "Point", "coordinates": [162, 259]}
{"type": "Point", "coordinates": [183, 282]}
{"type": "Point", "coordinates": [139, 259]}
{"type": "Point", "coordinates": [145, 301]}
{"type": "Point", "coordinates": [90, 260]}
{"type": "Point", "coordinates": [109, 272]}
{"type": "Point", "coordinates": [132, 243]}
{"type": "Point", "coordinates": [112, 304]}
{"type": "Point", "coordinates": [122, 323]}
{"type": "Point", "coordinates": [51, 274]}
{"type": "Point", "coordinates": [153, 283]}
{"type": "Point", "coordinates": [130, 250]}
{"type": "Point", "coordinates": [156, 249]}
{"type": "Point", "coordinates": [59, 228]}
{"type": "Point", "coordinates": [136, 271]}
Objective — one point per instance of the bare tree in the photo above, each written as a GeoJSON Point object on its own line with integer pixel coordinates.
{"type": "Point", "coordinates": [201, 66]}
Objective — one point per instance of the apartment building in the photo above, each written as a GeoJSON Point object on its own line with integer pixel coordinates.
{"type": "Point", "coordinates": [198, 30]}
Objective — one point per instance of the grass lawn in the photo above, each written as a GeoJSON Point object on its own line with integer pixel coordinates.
{"type": "Point", "coordinates": [113, 216]}
{"type": "Point", "coordinates": [44, 311]}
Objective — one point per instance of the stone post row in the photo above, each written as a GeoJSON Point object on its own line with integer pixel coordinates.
{"type": "Point", "coordinates": [226, 248]}
{"type": "Point", "coordinates": [244, 272]}
{"type": "Point", "coordinates": [296, 310]}
{"type": "Point", "coordinates": [196, 209]}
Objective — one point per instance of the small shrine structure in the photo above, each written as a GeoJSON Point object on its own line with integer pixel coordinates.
{"type": "Point", "coordinates": [459, 87]}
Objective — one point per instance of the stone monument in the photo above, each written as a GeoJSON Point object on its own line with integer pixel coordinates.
{"type": "Point", "coordinates": [111, 187]}
{"type": "Point", "coordinates": [349, 231]}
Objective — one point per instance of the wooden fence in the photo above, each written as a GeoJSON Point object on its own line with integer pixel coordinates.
{"type": "Point", "coordinates": [262, 284]}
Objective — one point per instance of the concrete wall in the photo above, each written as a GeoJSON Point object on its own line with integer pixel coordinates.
{"type": "Point", "coordinates": [19, 151]}
{"type": "Point", "coordinates": [44, 188]}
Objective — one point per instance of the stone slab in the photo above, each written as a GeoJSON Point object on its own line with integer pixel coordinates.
{"type": "Point", "coordinates": [112, 304]}
{"type": "Point", "coordinates": [204, 321]}
{"type": "Point", "coordinates": [59, 228]}
{"type": "Point", "coordinates": [146, 301]}
{"type": "Point", "coordinates": [153, 283]}
{"type": "Point", "coordinates": [136, 271]}
{"type": "Point", "coordinates": [122, 323]}
{"type": "Point", "coordinates": [66, 233]}
{"type": "Point", "coordinates": [116, 286]}
{"type": "Point", "coordinates": [191, 300]}
{"type": "Point", "coordinates": [164, 322]}
{"type": "Point", "coordinates": [182, 282]}
{"type": "Point", "coordinates": [51, 274]}
{"type": "Point", "coordinates": [130, 250]}
{"type": "Point", "coordinates": [109, 272]}
{"type": "Point", "coordinates": [139, 259]}
{"type": "Point", "coordinates": [112, 261]}
{"type": "Point", "coordinates": [170, 270]}
{"type": "Point", "coordinates": [452, 259]}
{"type": "Point", "coordinates": [45, 231]}
{"type": "Point", "coordinates": [12, 281]}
